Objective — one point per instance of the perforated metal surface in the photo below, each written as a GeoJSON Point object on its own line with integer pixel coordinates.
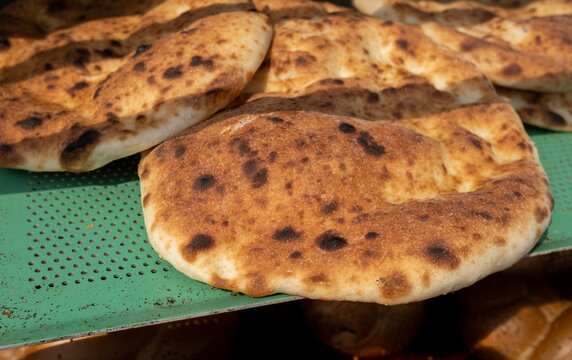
{"type": "Point", "coordinates": [75, 259]}
{"type": "Point", "coordinates": [101, 224]}
{"type": "Point", "coordinates": [555, 151]}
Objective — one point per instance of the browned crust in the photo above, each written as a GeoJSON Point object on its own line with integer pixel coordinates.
{"type": "Point", "coordinates": [90, 85]}
{"type": "Point", "coordinates": [316, 198]}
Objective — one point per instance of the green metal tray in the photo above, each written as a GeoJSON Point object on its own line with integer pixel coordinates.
{"type": "Point", "coordinates": [555, 150]}
{"type": "Point", "coordinates": [75, 259]}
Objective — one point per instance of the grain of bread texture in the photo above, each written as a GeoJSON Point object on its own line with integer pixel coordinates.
{"type": "Point", "coordinates": [517, 44]}
{"type": "Point", "coordinates": [83, 85]}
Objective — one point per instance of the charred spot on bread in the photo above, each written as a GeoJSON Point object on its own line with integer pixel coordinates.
{"type": "Point", "coordinates": [402, 44]}
{"type": "Point", "coordinates": [305, 60]}
{"type": "Point", "coordinates": [272, 156]}
{"type": "Point", "coordinates": [173, 72]}
{"type": "Point", "coordinates": [199, 242]}
{"type": "Point", "coordinates": [286, 234]}
{"type": "Point", "coordinates": [369, 145]}
{"type": "Point", "coordinates": [512, 70]}
{"type": "Point", "coordinates": [257, 175]}
{"type": "Point", "coordinates": [330, 208]}
{"type": "Point", "coordinates": [440, 255]}
{"type": "Point", "coordinates": [295, 255]}
{"type": "Point", "coordinates": [77, 87]}
{"type": "Point", "coordinates": [79, 149]}
{"type": "Point", "coordinates": [180, 150]}
{"type": "Point", "coordinates": [371, 235]}
{"type": "Point", "coordinates": [331, 241]}
{"type": "Point", "coordinates": [31, 122]}
{"type": "Point", "coordinates": [139, 67]}
{"type": "Point", "coordinates": [275, 119]}
{"type": "Point", "coordinates": [243, 147]}
{"type": "Point", "coordinates": [347, 128]}
{"type": "Point", "coordinates": [204, 182]}
{"type": "Point", "coordinates": [199, 61]}
{"type": "Point", "coordinates": [476, 142]}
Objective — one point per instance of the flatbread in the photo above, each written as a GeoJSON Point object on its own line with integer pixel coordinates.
{"type": "Point", "coordinates": [288, 193]}
{"type": "Point", "coordinates": [88, 91]}
{"type": "Point", "coordinates": [517, 44]}
{"type": "Point", "coordinates": [346, 63]}
{"type": "Point", "coordinates": [339, 208]}
{"type": "Point", "coordinates": [551, 111]}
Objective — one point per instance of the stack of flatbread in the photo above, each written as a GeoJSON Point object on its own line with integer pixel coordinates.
{"type": "Point", "coordinates": [363, 162]}
{"type": "Point", "coordinates": [85, 83]}
{"type": "Point", "coordinates": [523, 46]}
{"type": "Point", "coordinates": [293, 146]}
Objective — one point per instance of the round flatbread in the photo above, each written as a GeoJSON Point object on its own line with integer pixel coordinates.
{"type": "Point", "coordinates": [339, 208]}
{"type": "Point", "coordinates": [551, 111]}
{"type": "Point", "coordinates": [77, 93]}
{"type": "Point", "coordinates": [517, 44]}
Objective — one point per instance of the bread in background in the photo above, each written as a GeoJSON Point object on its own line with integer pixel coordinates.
{"type": "Point", "coordinates": [364, 330]}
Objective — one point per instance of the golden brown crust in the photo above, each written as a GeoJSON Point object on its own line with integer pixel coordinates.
{"type": "Point", "coordinates": [526, 46]}
{"type": "Point", "coordinates": [340, 208]}
{"type": "Point", "coordinates": [90, 92]}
